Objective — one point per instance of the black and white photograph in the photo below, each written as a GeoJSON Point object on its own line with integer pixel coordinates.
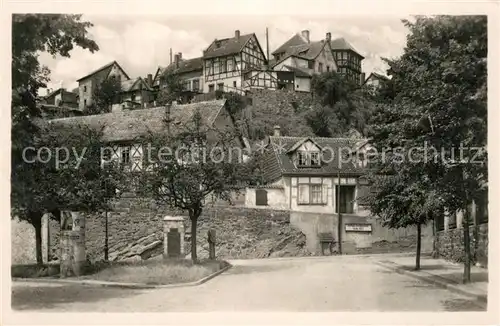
{"type": "Point", "coordinates": [249, 163]}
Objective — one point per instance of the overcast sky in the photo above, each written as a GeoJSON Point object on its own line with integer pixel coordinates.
{"type": "Point", "coordinates": [141, 43]}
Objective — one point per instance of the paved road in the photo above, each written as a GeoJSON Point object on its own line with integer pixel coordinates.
{"type": "Point", "coordinates": [347, 283]}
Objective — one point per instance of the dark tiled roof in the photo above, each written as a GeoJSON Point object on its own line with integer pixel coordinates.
{"type": "Point", "coordinates": [104, 70]}
{"type": "Point", "coordinates": [342, 44]}
{"type": "Point", "coordinates": [297, 39]}
{"type": "Point", "coordinates": [185, 66]}
{"type": "Point", "coordinates": [309, 50]}
{"type": "Point", "coordinates": [128, 125]}
{"type": "Point", "coordinates": [278, 162]}
{"type": "Point", "coordinates": [299, 72]}
{"type": "Point", "coordinates": [226, 46]}
{"type": "Point", "coordinates": [128, 85]}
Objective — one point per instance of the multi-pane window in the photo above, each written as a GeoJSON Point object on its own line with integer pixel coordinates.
{"type": "Point", "coordinates": [310, 64]}
{"type": "Point", "coordinates": [308, 159]}
{"type": "Point", "coordinates": [196, 85]}
{"type": "Point", "coordinates": [312, 191]}
{"type": "Point", "coordinates": [230, 64]}
{"type": "Point", "coordinates": [125, 153]}
{"type": "Point", "coordinates": [210, 68]}
{"type": "Point", "coordinates": [316, 194]}
{"type": "Point", "coordinates": [223, 65]}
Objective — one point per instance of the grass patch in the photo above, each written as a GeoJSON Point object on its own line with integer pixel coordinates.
{"type": "Point", "coordinates": [155, 272]}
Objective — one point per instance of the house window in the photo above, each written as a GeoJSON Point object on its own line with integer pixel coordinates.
{"type": "Point", "coordinates": [209, 68]}
{"type": "Point", "coordinates": [261, 197]}
{"type": "Point", "coordinates": [84, 89]}
{"type": "Point", "coordinates": [132, 98]}
{"type": "Point", "coordinates": [234, 83]}
{"type": "Point", "coordinates": [85, 103]}
{"type": "Point", "coordinates": [346, 195]}
{"type": "Point", "coordinates": [216, 67]}
{"type": "Point", "coordinates": [327, 68]}
{"type": "Point", "coordinates": [211, 88]}
{"type": "Point", "coordinates": [316, 194]}
{"type": "Point", "coordinates": [220, 86]}
{"type": "Point", "coordinates": [125, 155]}
{"type": "Point", "coordinates": [308, 159]}
{"type": "Point", "coordinates": [230, 64]}
{"type": "Point", "coordinates": [196, 85]}
{"type": "Point", "coordinates": [320, 67]}
{"type": "Point", "coordinates": [310, 64]}
{"type": "Point", "coordinates": [312, 192]}
{"type": "Point", "coordinates": [223, 67]}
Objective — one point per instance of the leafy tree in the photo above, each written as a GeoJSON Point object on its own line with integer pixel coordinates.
{"type": "Point", "coordinates": [438, 87]}
{"type": "Point", "coordinates": [38, 188]}
{"type": "Point", "coordinates": [105, 94]}
{"type": "Point", "coordinates": [171, 89]}
{"type": "Point", "coordinates": [190, 164]}
{"type": "Point", "coordinates": [340, 106]}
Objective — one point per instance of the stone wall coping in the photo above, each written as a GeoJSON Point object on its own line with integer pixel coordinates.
{"type": "Point", "coordinates": [174, 218]}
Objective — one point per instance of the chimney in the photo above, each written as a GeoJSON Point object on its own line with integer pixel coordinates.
{"type": "Point", "coordinates": [277, 131]}
{"type": "Point", "coordinates": [150, 79]}
{"type": "Point", "coordinates": [362, 78]}
{"type": "Point", "coordinates": [176, 60]}
{"type": "Point", "coordinates": [237, 34]}
{"type": "Point", "coordinates": [328, 37]}
{"type": "Point", "coordinates": [305, 34]}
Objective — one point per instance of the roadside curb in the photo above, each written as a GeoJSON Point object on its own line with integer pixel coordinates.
{"type": "Point", "coordinates": [138, 286]}
{"type": "Point", "coordinates": [434, 279]}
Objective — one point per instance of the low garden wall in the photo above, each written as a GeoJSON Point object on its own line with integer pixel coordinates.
{"type": "Point", "coordinates": [450, 244]}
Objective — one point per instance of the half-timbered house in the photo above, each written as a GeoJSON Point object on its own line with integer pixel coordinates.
{"type": "Point", "coordinates": [303, 59]}
{"type": "Point", "coordinates": [125, 131]}
{"type": "Point", "coordinates": [236, 64]}
{"type": "Point", "coordinates": [348, 59]}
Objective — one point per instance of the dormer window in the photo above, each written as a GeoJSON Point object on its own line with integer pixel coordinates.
{"type": "Point", "coordinates": [308, 159]}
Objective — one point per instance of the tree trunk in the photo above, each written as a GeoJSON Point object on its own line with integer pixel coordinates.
{"type": "Point", "coordinates": [106, 238]}
{"type": "Point", "coordinates": [194, 221]}
{"type": "Point", "coordinates": [435, 250]}
{"type": "Point", "coordinates": [36, 221]}
{"type": "Point", "coordinates": [466, 276]}
{"type": "Point", "coordinates": [419, 245]}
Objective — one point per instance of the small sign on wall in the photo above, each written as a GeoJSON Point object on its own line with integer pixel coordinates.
{"type": "Point", "coordinates": [358, 227]}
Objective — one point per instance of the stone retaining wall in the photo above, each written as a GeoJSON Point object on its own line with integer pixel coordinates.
{"type": "Point", "coordinates": [450, 246]}
{"type": "Point", "coordinates": [135, 228]}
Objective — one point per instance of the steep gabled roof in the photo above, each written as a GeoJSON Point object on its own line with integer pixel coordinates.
{"type": "Point", "coordinates": [129, 125]}
{"type": "Point", "coordinates": [129, 85]}
{"type": "Point", "coordinates": [227, 46]}
{"type": "Point", "coordinates": [278, 160]}
{"type": "Point", "coordinates": [341, 44]}
{"type": "Point", "coordinates": [185, 66]}
{"type": "Point", "coordinates": [104, 71]}
{"type": "Point", "coordinates": [295, 40]}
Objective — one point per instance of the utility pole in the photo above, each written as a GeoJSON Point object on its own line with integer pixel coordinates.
{"type": "Point", "coordinates": [267, 44]}
{"type": "Point", "coordinates": [340, 215]}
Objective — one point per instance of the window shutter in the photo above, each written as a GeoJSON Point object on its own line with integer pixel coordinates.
{"type": "Point", "coordinates": [324, 193]}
